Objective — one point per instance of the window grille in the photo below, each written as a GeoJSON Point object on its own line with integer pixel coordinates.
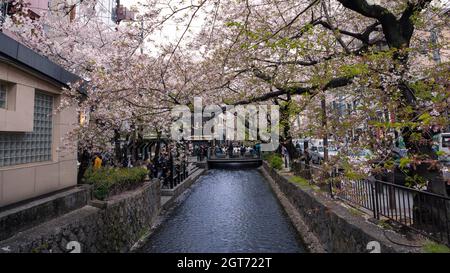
{"type": "Point", "coordinates": [36, 146]}
{"type": "Point", "coordinates": [2, 96]}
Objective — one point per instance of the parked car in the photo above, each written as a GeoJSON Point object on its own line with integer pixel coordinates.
{"type": "Point", "coordinates": [300, 147]}
{"type": "Point", "coordinates": [361, 156]}
{"type": "Point", "coordinates": [398, 154]}
{"type": "Point", "coordinates": [444, 147]}
{"type": "Point", "coordinates": [317, 153]}
{"type": "Point", "coordinates": [446, 176]}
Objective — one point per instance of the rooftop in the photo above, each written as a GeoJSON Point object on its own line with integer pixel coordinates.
{"type": "Point", "coordinates": [23, 57]}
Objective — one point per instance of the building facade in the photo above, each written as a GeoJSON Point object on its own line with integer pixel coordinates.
{"type": "Point", "coordinates": [33, 159]}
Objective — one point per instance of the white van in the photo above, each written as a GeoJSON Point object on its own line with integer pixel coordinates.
{"type": "Point", "coordinates": [444, 147]}
{"type": "Point", "coordinates": [317, 150]}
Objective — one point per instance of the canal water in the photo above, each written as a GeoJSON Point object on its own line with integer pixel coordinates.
{"type": "Point", "coordinates": [227, 211]}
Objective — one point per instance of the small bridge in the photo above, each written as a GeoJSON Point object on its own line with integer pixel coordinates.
{"type": "Point", "coordinates": [222, 161]}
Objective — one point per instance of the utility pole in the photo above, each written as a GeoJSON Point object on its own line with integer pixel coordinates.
{"type": "Point", "coordinates": [117, 12]}
{"type": "Point", "coordinates": [325, 127]}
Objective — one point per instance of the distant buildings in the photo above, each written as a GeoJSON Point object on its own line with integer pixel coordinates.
{"type": "Point", "coordinates": [110, 12]}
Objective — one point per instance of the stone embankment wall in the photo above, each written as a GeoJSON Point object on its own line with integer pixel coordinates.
{"type": "Point", "coordinates": [103, 226]}
{"type": "Point", "coordinates": [327, 226]}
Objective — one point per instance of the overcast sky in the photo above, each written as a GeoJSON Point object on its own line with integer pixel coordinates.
{"type": "Point", "coordinates": [172, 32]}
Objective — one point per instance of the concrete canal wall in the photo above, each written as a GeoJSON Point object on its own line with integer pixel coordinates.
{"type": "Point", "coordinates": [169, 196]}
{"type": "Point", "coordinates": [327, 226]}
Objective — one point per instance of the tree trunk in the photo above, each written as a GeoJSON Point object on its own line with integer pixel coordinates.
{"type": "Point", "coordinates": [287, 136]}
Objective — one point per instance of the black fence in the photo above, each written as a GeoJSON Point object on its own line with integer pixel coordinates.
{"type": "Point", "coordinates": [313, 173]}
{"type": "Point", "coordinates": [422, 211]}
{"type": "Point", "coordinates": [177, 173]}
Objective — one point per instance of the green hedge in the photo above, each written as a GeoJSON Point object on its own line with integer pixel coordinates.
{"type": "Point", "coordinates": [109, 181]}
{"type": "Point", "coordinates": [275, 160]}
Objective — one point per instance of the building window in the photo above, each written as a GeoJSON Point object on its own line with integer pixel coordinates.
{"type": "Point", "coordinates": [36, 146]}
{"type": "Point", "coordinates": [2, 95]}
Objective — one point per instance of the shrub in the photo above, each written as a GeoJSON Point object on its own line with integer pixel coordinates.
{"type": "Point", "coordinates": [431, 247]}
{"type": "Point", "coordinates": [276, 162]}
{"type": "Point", "coordinates": [110, 181]}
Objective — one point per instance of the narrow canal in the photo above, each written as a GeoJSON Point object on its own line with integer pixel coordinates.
{"type": "Point", "coordinates": [227, 211]}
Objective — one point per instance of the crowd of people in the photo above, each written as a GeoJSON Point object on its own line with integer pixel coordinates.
{"type": "Point", "coordinates": [160, 166]}
{"type": "Point", "coordinates": [168, 160]}
{"type": "Point", "coordinates": [237, 150]}
{"type": "Point", "coordinates": [200, 151]}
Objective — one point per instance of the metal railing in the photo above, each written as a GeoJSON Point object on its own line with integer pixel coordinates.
{"type": "Point", "coordinates": [311, 172]}
{"type": "Point", "coordinates": [424, 212]}
{"type": "Point", "coordinates": [177, 173]}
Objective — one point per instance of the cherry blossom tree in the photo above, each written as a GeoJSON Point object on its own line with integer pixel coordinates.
{"type": "Point", "coordinates": [122, 89]}
{"type": "Point", "coordinates": [299, 55]}
{"type": "Point", "coordinates": [377, 53]}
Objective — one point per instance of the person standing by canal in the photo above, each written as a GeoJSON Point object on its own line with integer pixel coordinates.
{"type": "Point", "coordinates": [85, 160]}
{"type": "Point", "coordinates": [258, 149]}
{"type": "Point", "coordinates": [242, 150]}
{"type": "Point", "coordinates": [151, 167]}
{"type": "Point", "coordinates": [284, 152]}
{"type": "Point", "coordinates": [98, 162]}
{"type": "Point", "coordinates": [230, 150]}
{"type": "Point", "coordinates": [159, 162]}
{"type": "Point", "coordinates": [205, 151]}
{"type": "Point", "coordinates": [201, 152]}
{"type": "Point", "coordinates": [197, 152]}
